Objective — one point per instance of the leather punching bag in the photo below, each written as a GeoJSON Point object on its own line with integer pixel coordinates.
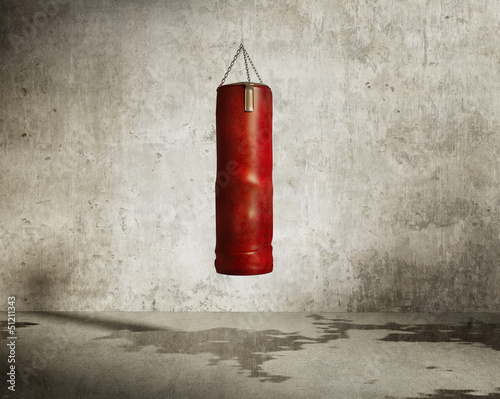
{"type": "Point", "coordinates": [244, 189]}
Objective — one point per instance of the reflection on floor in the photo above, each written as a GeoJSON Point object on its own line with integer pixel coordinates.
{"type": "Point", "coordinates": [461, 394]}
{"type": "Point", "coordinates": [472, 331]}
{"type": "Point", "coordinates": [271, 355]}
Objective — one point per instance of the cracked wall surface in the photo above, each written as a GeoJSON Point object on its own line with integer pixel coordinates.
{"type": "Point", "coordinates": [386, 153]}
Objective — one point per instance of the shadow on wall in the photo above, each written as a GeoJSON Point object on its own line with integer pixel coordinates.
{"type": "Point", "coordinates": [54, 276]}
{"type": "Point", "coordinates": [467, 282]}
{"type": "Point", "coordinates": [44, 281]}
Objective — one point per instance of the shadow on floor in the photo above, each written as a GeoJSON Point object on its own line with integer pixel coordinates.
{"type": "Point", "coordinates": [472, 332]}
{"type": "Point", "coordinates": [251, 349]}
{"type": "Point", "coordinates": [97, 320]}
{"type": "Point", "coordinates": [4, 331]}
{"type": "Point", "coordinates": [452, 394]}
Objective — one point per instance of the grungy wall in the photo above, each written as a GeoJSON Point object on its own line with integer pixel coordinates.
{"type": "Point", "coordinates": [386, 153]}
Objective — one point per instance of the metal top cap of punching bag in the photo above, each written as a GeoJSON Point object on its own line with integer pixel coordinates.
{"type": "Point", "coordinates": [243, 84]}
{"type": "Point", "coordinates": [243, 186]}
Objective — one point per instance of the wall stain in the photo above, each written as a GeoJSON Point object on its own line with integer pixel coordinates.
{"type": "Point", "coordinates": [461, 279]}
{"type": "Point", "coordinates": [417, 213]}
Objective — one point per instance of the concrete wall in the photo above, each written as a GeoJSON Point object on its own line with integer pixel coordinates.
{"type": "Point", "coordinates": [386, 146]}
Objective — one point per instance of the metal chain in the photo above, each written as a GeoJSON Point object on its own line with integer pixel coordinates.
{"type": "Point", "coordinates": [246, 57]}
{"type": "Point", "coordinates": [231, 65]}
{"type": "Point", "coordinates": [253, 66]}
{"type": "Point", "coordinates": [246, 63]}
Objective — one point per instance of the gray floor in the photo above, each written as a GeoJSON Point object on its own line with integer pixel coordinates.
{"type": "Point", "coordinates": [254, 355]}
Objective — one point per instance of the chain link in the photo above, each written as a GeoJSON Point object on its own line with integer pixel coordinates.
{"type": "Point", "coordinates": [247, 59]}
{"type": "Point", "coordinates": [246, 64]}
{"type": "Point", "coordinates": [253, 67]}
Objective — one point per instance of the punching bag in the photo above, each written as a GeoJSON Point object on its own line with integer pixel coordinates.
{"type": "Point", "coordinates": [243, 187]}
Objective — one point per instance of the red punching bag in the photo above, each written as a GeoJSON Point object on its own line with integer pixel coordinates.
{"type": "Point", "coordinates": [244, 188]}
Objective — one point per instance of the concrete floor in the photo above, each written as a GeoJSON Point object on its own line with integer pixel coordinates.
{"type": "Point", "coordinates": [255, 355]}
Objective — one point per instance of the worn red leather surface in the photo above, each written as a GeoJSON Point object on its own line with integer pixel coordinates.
{"type": "Point", "coordinates": [244, 188]}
